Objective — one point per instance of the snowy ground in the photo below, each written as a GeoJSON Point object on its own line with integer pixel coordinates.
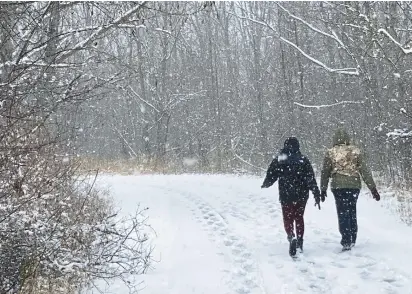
{"type": "Point", "coordinates": [223, 234]}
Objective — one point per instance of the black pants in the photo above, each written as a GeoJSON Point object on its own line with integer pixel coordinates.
{"type": "Point", "coordinates": [345, 200]}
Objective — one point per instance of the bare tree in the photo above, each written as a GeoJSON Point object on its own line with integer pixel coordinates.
{"type": "Point", "coordinates": [207, 77]}
{"type": "Point", "coordinates": [58, 233]}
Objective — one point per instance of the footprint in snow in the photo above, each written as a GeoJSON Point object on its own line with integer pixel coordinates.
{"type": "Point", "coordinates": [213, 218]}
{"type": "Point", "coordinates": [243, 290]}
{"type": "Point", "coordinates": [314, 286]}
{"type": "Point", "coordinates": [247, 266]}
{"type": "Point", "coordinates": [240, 259]}
{"type": "Point", "coordinates": [236, 251]}
{"type": "Point", "coordinates": [216, 228]}
{"type": "Point", "coordinates": [240, 272]}
{"type": "Point", "coordinates": [250, 282]}
{"type": "Point", "coordinates": [392, 281]}
{"type": "Point", "coordinates": [367, 264]}
{"type": "Point", "coordinates": [221, 232]}
{"type": "Point", "coordinates": [228, 242]}
{"type": "Point", "coordinates": [365, 274]}
{"type": "Point", "coordinates": [338, 265]}
{"type": "Point", "coordinates": [240, 246]}
{"type": "Point", "coordinates": [389, 289]}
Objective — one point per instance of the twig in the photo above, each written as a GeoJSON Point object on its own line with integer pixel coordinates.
{"type": "Point", "coordinates": [345, 71]}
{"type": "Point", "coordinates": [404, 50]}
{"type": "Point", "coordinates": [328, 105]}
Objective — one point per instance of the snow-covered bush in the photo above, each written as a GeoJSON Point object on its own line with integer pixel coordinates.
{"type": "Point", "coordinates": [58, 233]}
{"type": "Point", "coordinates": [55, 230]}
{"type": "Point", "coordinates": [399, 166]}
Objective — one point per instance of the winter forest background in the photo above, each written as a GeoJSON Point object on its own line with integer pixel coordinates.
{"type": "Point", "coordinates": [178, 87]}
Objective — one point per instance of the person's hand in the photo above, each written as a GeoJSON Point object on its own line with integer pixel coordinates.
{"type": "Point", "coordinates": [317, 199]}
{"type": "Point", "coordinates": [317, 203]}
{"type": "Point", "coordinates": [264, 186]}
{"type": "Point", "coordinates": [375, 194]}
{"type": "Point", "coordinates": [323, 196]}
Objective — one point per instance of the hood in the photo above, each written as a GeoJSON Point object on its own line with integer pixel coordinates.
{"type": "Point", "coordinates": [341, 137]}
{"type": "Point", "coordinates": [291, 146]}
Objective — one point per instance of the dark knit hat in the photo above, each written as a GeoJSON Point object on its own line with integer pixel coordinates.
{"type": "Point", "coordinates": [291, 145]}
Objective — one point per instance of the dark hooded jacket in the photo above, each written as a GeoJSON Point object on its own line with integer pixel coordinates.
{"type": "Point", "coordinates": [294, 172]}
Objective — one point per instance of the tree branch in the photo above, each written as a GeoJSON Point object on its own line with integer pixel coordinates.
{"type": "Point", "coordinates": [328, 105]}
{"type": "Point", "coordinates": [345, 71]}
{"type": "Point", "coordinates": [404, 50]}
{"type": "Point", "coordinates": [333, 36]}
{"type": "Point", "coordinates": [83, 44]}
{"type": "Point", "coordinates": [141, 99]}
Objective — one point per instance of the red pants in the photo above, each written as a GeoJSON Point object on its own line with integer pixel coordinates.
{"type": "Point", "coordinates": [293, 213]}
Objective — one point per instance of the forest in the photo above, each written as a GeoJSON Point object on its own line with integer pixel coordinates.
{"type": "Point", "coordinates": [177, 87]}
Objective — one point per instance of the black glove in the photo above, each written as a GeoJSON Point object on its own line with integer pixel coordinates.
{"type": "Point", "coordinates": [264, 185]}
{"type": "Point", "coordinates": [375, 194]}
{"type": "Point", "coordinates": [323, 196]}
{"type": "Point", "coordinates": [317, 199]}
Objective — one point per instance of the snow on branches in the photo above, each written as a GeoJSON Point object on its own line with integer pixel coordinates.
{"type": "Point", "coordinates": [57, 231]}
{"type": "Point", "coordinates": [400, 134]}
{"type": "Point", "coordinates": [404, 50]}
{"type": "Point", "coordinates": [56, 227]}
{"type": "Point", "coordinates": [327, 105]}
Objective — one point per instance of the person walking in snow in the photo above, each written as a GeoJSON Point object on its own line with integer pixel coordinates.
{"type": "Point", "coordinates": [345, 164]}
{"type": "Point", "coordinates": [296, 177]}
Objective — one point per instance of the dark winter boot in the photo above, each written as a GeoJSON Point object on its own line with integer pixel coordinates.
{"type": "Point", "coordinates": [292, 245]}
{"type": "Point", "coordinates": [299, 244]}
{"type": "Point", "coordinates": [346, 247]}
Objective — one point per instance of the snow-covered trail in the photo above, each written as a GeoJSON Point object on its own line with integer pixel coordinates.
{"type": "Point", "coordinates": [223, 234]}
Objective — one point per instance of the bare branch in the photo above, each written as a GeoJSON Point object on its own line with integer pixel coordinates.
{"type": "Point", "coordinates": [404, 50]}
{"type": "Point", "coordinates": [328, 105]}
{"type": "Point", "coordinates": [333, 36]}
{"type": "Point", "coordinates": [144, 101]}
{"type": "Point", "coordinates": [344, 71]}
{"type": "Point", "coordinates": [102, 30]}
